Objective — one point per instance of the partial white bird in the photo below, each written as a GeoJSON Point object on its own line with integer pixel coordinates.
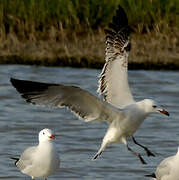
{"type": "Point", "coordinates": [168, 169]}
{"type": "Point", "coordinates": [120, 110]}
{"type": "Point", "coordinates": [40, 161]}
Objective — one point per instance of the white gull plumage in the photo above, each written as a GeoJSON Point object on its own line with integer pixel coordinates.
{"type": "Point", "coordinates": [40, 161]}
{"type": "Point", "coordinates": [119, 109]}
{"type": "Point", "coordinates": [168, 169]}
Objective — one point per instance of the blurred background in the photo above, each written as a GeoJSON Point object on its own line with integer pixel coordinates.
{"type": "Point", "coordinates": [71, 32]}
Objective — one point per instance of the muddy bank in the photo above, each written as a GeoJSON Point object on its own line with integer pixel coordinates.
{"type": "Point", "coordinates": [149, 51]}
{"type": "Point", "coordinates": [84, 63]}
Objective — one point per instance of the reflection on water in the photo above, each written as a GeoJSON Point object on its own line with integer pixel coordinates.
{"type": "Point", "coordinates": [77, 141]}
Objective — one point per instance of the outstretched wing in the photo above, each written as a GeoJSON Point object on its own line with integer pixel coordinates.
{"type": "Point", "coordinates": [113, 82]}
{"type": "Point", "coordinates": [81, 102]}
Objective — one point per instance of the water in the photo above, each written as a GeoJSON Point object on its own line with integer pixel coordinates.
{"type": "Point", "coordinates": [77, 141]}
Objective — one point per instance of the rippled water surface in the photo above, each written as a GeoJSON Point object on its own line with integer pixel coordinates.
{"type": "Point", "coordinates": [77, 141]}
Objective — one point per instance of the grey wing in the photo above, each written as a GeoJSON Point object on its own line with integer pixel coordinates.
{"type": "Point", "coordinates": [164, 168]}
{"type": "Point", "coordinates": [81, 102]}
{"type": "Point", "coordinates": [113, 82]}
{"type": "Point", "coordinates": [26, 158]}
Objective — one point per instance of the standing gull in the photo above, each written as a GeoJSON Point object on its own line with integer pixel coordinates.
{"type": "Point", "coordinates": [120, 111]}
{"type": "Point", "coordinates": [40, 161]}
{"type": "Point", "coordinates": [168, 169]}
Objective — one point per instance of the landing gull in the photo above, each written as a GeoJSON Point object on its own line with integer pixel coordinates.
{"type": "Point", "coordinates": [119, 109]}
{"type": "Point", "coordinates": [39, 161]}
{"type": "Point", "coordinates": [168, 169]}
{"type": "Point", "coordinates": [122, 122]}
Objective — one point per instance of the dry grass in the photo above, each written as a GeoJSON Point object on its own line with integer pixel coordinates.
{"type": "Point", "coordinates": [152, 50]}
{"type": "Point", "coordinates": [156, 48]}
{"type": "Point", "coordinates": [70, 33]}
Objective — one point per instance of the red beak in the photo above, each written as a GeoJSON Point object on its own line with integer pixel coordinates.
{"type": "Point", "coordinates": [163, 111]}
{"type": "Point", "coordinates": [52, 137]}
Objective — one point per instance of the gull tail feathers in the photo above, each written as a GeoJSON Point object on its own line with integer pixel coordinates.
{"type": "Point", "coordinates": [16, 160]}
{"type": "Point", "coordinates": [151, 175]}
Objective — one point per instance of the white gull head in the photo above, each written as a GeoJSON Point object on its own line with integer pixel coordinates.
{"type": "Point", "coordinates": [46, 135]}
{"type": "Point", "coordinates": [150, 106]}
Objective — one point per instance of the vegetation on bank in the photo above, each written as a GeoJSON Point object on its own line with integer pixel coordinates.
{"type": "Point", "coordinates": [70, 32]}
{"type": "Point", "coordinates": [88, 14]}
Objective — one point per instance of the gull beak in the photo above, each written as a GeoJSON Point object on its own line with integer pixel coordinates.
{"type": "Point", "coordinates": [52, 137]}
{"type": "Point", "coordinates": [163, 111]}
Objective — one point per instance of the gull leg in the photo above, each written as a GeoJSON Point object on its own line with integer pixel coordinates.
{"type": "Point", "coordinates": [123, 139]}
{"type": "Point", "coordinates": [136, 154]}
{"type": "Point", "coordinates": [97, 154]}
{"type": "Point", "coordinates": [100, 151]}
{"type": "Point", "coordinates": [149, 153]}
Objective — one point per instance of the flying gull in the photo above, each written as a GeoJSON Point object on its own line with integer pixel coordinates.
{"type": "Point", "coordinates": [39, 161]}
{"type": "Point", "coordinates": [123, 114]}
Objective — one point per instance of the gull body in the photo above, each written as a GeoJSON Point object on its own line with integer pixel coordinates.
{"type": "Point", "coordinates": [126, 125]}
{"type": "Point", "coordinates": [118, 107]}
{"type": "Point", "coordinates": [42, 160]}
{"type": "Point", "coordinates": [168, 169]}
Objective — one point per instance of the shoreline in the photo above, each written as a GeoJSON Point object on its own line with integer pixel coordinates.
{"type": "Point", "coordinates": [150, 51]}
{"type": "Point", "coordinates": [72, 33]}
{"type": "Point", "coordinates": [15, 60]}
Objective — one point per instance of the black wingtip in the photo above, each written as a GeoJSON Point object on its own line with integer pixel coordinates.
{"type": "Point", "coordinates": [119, 23]}
{"type": "Point", "coordinates": [18, 84]}
{"type": "Point", "coordinates": [121, 17]}
{"type": "Point", "coordinates": [16, 160]}
{"type": "Point", "coordinates": [121, 11]}
{"type": "Point", "coordinates": [12, 80]}
{"type": "Point", "coordinates": [25, 86]}
{"type": "Point", "coordinates": [151, 175]}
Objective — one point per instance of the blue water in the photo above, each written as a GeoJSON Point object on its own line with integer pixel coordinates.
{"type": "Point", "coordinates": [77, 141]}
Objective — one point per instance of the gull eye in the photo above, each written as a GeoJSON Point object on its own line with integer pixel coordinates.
{"type": "Point", "coordinates": [43, 133]}
{"type": "Point", "coordinates": [154, 106]}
